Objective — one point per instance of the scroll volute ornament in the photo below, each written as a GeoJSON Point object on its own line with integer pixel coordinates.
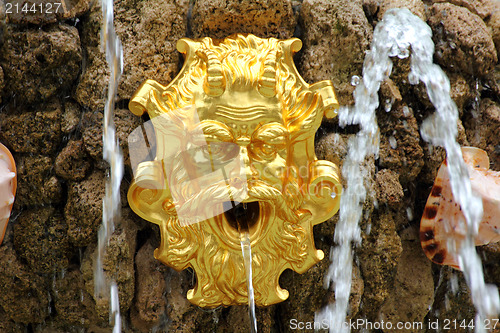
{"type": "Point", "coordinates": [236, 125]}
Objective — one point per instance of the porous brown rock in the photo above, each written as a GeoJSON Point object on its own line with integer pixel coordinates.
{"type": "Point", "coordinates": [2, 83]}
{"type": "Point", "coordinates": [482, 8]}
{"type": "Point", "coordinates": [389, 190]}
{"type": "Point", "coordinates": [72, 162]}
{"type": "Point", "coordinates": [83, 210]}
{"type": "Point", "coordinates": [148, 31]}
{"type": "Point", "coordinates": [184, 316]}
{"type": "Point", "coordinates": [378, 259]}
{"type": "Point", "coordinates": [417, 7]}
{"type": "Point", "coordinates": [37, 183]}
{"type": "Point", "coordinates": [125, 123]}
{"type": "Point", "coordinates": [237, 318]}
{"type": "Point", "coordinates": [483, 130]}
{"type": "Point", "coordinates": [117, 265]}
{"type": "Point", "coordinates": [263, 18]}
{"type": "Point", "coordinates": [73, 304]}
{"type": "Point", "coordinates": [43, 12]}
{"type": "Point", "coordinates": [47, 61]}
{"type": "Point", "coordinates": [490, 254]}
{"type": "Point", "coordinates": [7, 324]}
{"type": "Point", "coordinates": [45, 227]}
{"type": "Point", "coordinates": [150, 304]}
{"type": "Point", "coordinates": [456, 304]}
{"type": "Point", "coordinates": [35, 132]}
{"type": "Point", "coordinates": [336, 36]}
{"type": "Point", "coordinates": [460, 91]}
{"type": "Point", "coordinates": [24, 295]}
{"type": "Point", "coordinates": [413, 293]}
{"type": "Point", "coordinates": [71, 117]}
{"type": "Point", "coordinates": [309, 297]}
{"type": "Point", "coordinates": [463, 41]}
{"type": "Point", "coordinates": [493, 23]}
{"type": "Point", "coordinates": [400, 148]}
{"type": "Point", "coordinates": [332, 147]}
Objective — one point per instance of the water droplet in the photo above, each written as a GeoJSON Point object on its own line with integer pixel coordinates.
{"type": "Point", "coordinates": [454, 283]}
{"type": "Point", "coordinates": [392, 142]}
{"type": "Point", "coordinates": [409, 213]}
{"type": "Point", "coordinates": [333, 195]}
{"type": "Point", "coordinates": [355, 80]}
{"type": "Point", "coordinates": [406, 111]}
{"type": "Point", "coordinates": [388, 105]}
{"type": "Point", "coordinates": [368, 228]}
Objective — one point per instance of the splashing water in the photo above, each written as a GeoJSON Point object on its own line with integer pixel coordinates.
{"type": "Point", "coordinates": [392, 37]}
{"type": "Point", "coordinates": [112, 154]}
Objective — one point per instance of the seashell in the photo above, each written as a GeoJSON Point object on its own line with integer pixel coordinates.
{"type": "Point", "coordinates": [8, 184]}
{"type": "Point", "coordinates": [442, 215]}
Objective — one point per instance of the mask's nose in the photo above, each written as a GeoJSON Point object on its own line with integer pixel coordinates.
{"type": "Point", "coordinates": [246, 168]}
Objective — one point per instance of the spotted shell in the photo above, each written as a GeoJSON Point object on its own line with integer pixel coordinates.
{"type": "Point", "coordinates": [8, 184]}
{"type": "Point", "coordinates": [442, 216]}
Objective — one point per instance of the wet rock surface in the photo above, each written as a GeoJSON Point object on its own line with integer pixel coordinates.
{"type": "Point", "coordinates": [463, 42]}
{"type": "Point", "coordinates": [72, 162]}
{"type": "Point", "coordinates": [150, 304]}
{"type": "Point", "coordinates": [483, 130]}
{"type": "Point", "coordinates": [218, 19]}
{"type": "Point", "coordinates": [336, 35]}
{"type": "Point", "coordinates": [47, 228]}
{"type": "Point", "coordinates": [53, 78]}
{"type": "Point", "coordinates": [44, 12]}
{"type": "Point", "coordinates": [83, 209]}
{"type": "Point", "coordinates": [23, 295]}
{"type": "Point", "coordinates": [149, 31]}
{"type": "Point", "coordinates": [410, 299]}
{"type": "Point", "coordinates": [417, 7]}
{"type": "Point", "coordinates": [37, 183]}
{"type": "Point", "coordinates": [47, 61]}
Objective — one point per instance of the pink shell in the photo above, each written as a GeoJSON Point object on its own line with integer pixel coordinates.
{"type": "Point", "coordinates": [442, 215]}
{"type": "Point", "coordinates": [8, 184]}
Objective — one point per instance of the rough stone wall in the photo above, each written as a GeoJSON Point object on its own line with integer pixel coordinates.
{"type": "Point", "coordinates": [52, 83]}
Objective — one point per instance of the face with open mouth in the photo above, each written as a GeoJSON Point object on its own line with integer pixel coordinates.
{"type": "Point", "coordinates": [231, 171]}
{"type": "Point", "coordinates": [235, 154]}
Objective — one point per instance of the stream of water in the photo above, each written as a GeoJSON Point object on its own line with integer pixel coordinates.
{"type": "Point", "coordinates": [246, 250]}
{"type": "Point", "coordinates": [241, 215]}
{"type": "Point", "coordinates": [395, 35]}
{"type": "Point", "coordinates": [113, 155]}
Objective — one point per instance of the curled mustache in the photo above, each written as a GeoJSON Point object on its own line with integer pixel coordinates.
{"type": "Point", "coordinates": [208, 202]}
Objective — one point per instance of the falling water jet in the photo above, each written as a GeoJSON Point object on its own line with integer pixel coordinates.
{"type": "Point", "coordinates": [112, 154]}
{"type": "Point", "coordinates": [242, 216]}
{"type": "Point", "coordinates": [393, 36]}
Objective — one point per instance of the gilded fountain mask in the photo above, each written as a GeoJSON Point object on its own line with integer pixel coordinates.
{"type": "Point", "coordinates": [236, 126]}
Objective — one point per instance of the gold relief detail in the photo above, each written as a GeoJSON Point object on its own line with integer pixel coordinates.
{"type": "Point", "coordinates": [237, 124]}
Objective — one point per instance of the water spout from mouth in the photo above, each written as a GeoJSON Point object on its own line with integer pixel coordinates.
{"type": "Point", "coordinates": [243, 214]}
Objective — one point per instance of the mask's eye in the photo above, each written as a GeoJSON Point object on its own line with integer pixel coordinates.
{"type": "Point", "coordinates": [265, 151]}
{"type": "Point", "coordinates": [222, 152]}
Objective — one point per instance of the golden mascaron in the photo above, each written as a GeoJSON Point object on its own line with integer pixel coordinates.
{"type": "Point", "coordinates": [236, 125]}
